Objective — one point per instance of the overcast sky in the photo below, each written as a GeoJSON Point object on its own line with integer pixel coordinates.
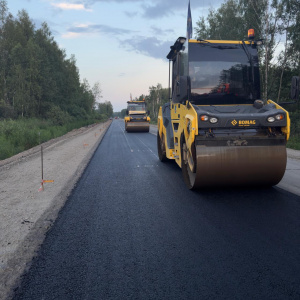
{"type": "Point", "coordinates": [120, 43]}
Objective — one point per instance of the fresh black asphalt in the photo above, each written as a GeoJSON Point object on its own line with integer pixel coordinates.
{"type": "Point", "coordinates": [132, 230]}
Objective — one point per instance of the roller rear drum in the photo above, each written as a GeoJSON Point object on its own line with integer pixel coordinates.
{"type": "Point", "coordinates": [137, 126]}
{"type": "Point", "coordinates": [234, 166]}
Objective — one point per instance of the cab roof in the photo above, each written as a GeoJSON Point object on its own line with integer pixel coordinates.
{"type": "Point", "coordinates": [219, 42]}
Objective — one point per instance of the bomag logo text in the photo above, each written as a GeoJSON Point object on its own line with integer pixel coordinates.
{"type": "Point", "coordinates": [243, 122]}
{"type": "Point", "coordinates": [246, 122]}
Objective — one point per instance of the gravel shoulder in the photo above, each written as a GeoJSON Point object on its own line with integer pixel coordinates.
{"type": "Point", "coordinates": [27, 214]}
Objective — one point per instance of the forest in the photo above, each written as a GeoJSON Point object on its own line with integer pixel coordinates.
{"type": "Point", "coordinates": [277, 23]}
{"type": "Point", "coordinates": [41, 94]}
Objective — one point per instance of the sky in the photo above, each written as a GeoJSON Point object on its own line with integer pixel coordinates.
{"type": "Point", "coordinates": [122, 44]}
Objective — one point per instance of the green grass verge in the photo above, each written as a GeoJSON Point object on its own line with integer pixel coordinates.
{"type": "Point", "coordinates": [294, 143]}
{"type": "Point", "coordinates": [19, 135]}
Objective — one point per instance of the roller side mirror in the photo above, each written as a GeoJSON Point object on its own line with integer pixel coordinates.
{"type": "Point", "coordinates": [295, 87]}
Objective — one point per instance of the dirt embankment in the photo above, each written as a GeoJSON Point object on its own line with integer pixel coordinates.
{"type": "Point", "coordinates": [25, 213]}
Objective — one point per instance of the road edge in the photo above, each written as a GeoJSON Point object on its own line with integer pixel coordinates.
{"type": "Point", "coordinates": [28, 249]}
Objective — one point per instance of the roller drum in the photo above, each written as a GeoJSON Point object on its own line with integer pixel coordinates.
{"type": "Point", "coordinates": [237, 166]}
{"type": "Point", "coordinates": [137, 127]}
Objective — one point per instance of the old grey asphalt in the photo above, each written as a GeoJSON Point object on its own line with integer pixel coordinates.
{"type": "Point", "coordinates": [132, 230]}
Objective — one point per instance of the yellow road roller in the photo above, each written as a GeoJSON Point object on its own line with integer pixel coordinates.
{"type": "Point", "coordinates": [216, 127]}
{"type": "Point", "coordinates": [137, 118]}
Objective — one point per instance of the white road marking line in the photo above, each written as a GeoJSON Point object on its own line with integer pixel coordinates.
{"type": "Point", "coordinates": [147, 147]}
{"type": "Point", "coordinates": [131, 150]}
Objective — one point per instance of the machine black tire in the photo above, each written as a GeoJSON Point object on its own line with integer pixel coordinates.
{"type": "Point", "coordinates": [189, 177]}
{"type": "Point", "coordinates": [161, 148]}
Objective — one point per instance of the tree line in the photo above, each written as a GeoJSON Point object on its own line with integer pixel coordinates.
{"type": "Point", "coordinates": [37, 80]}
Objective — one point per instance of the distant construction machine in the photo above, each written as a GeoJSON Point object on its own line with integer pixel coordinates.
{"type": "Point", "coordinates": [216, 127]}
{"type": "Point", "coordinates": [137, 118]}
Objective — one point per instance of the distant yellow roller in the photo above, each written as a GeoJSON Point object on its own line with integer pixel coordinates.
{"type": "Point", "coordinates": [137, 119]}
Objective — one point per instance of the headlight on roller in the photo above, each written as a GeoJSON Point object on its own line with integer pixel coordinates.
{"type": "Point", "coordinates": [204, 118]}
{"type": "Point", "coordinates": [213, 120]}
{"type": "Point", "coordinates": [279, 117]}
{"type": "Point", "coordinates": [271, 119]}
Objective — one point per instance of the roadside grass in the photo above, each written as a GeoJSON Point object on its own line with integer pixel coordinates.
{"type": "Point", "coordinates": [20, 135]}
{"type": "Point", "coordinates": [294, 143]}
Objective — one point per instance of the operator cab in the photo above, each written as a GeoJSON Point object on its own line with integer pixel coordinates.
{"type": "Point", "coordinates": [136, 107]}
{"type": "Point", "coordinates": [223, 73]}
{"type": "Point", "coordinates": [215, 72]}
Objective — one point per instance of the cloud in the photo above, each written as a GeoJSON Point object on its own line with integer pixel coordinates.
{"type": "Point", "coordinates": [158, 9]}
{"type": "Point", "coordinates": [87, 29]}
{"type": "Point", "coordinates": [159, 31]}
{"type": "Point", "coordinates": [70, 6]}
{"type": "Point", "coordinates": [131, 14]}
{"type": "Point", "coordinates": [154, 9]}
{"type": "Point", "coordinates": [149, 46]}
{"type": "Point", "coordinates": [71, 35]}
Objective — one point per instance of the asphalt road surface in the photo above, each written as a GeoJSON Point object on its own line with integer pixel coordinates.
{"type": "Point", "coordinates": [132, 230]}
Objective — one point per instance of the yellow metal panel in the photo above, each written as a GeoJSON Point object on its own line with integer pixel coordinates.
{"type": "Point", "coordinates": [160, 122]}
{"type": "Point", "coordinates": [285, 130]}
{"type": "Point", "coordinates": [218, 42]}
